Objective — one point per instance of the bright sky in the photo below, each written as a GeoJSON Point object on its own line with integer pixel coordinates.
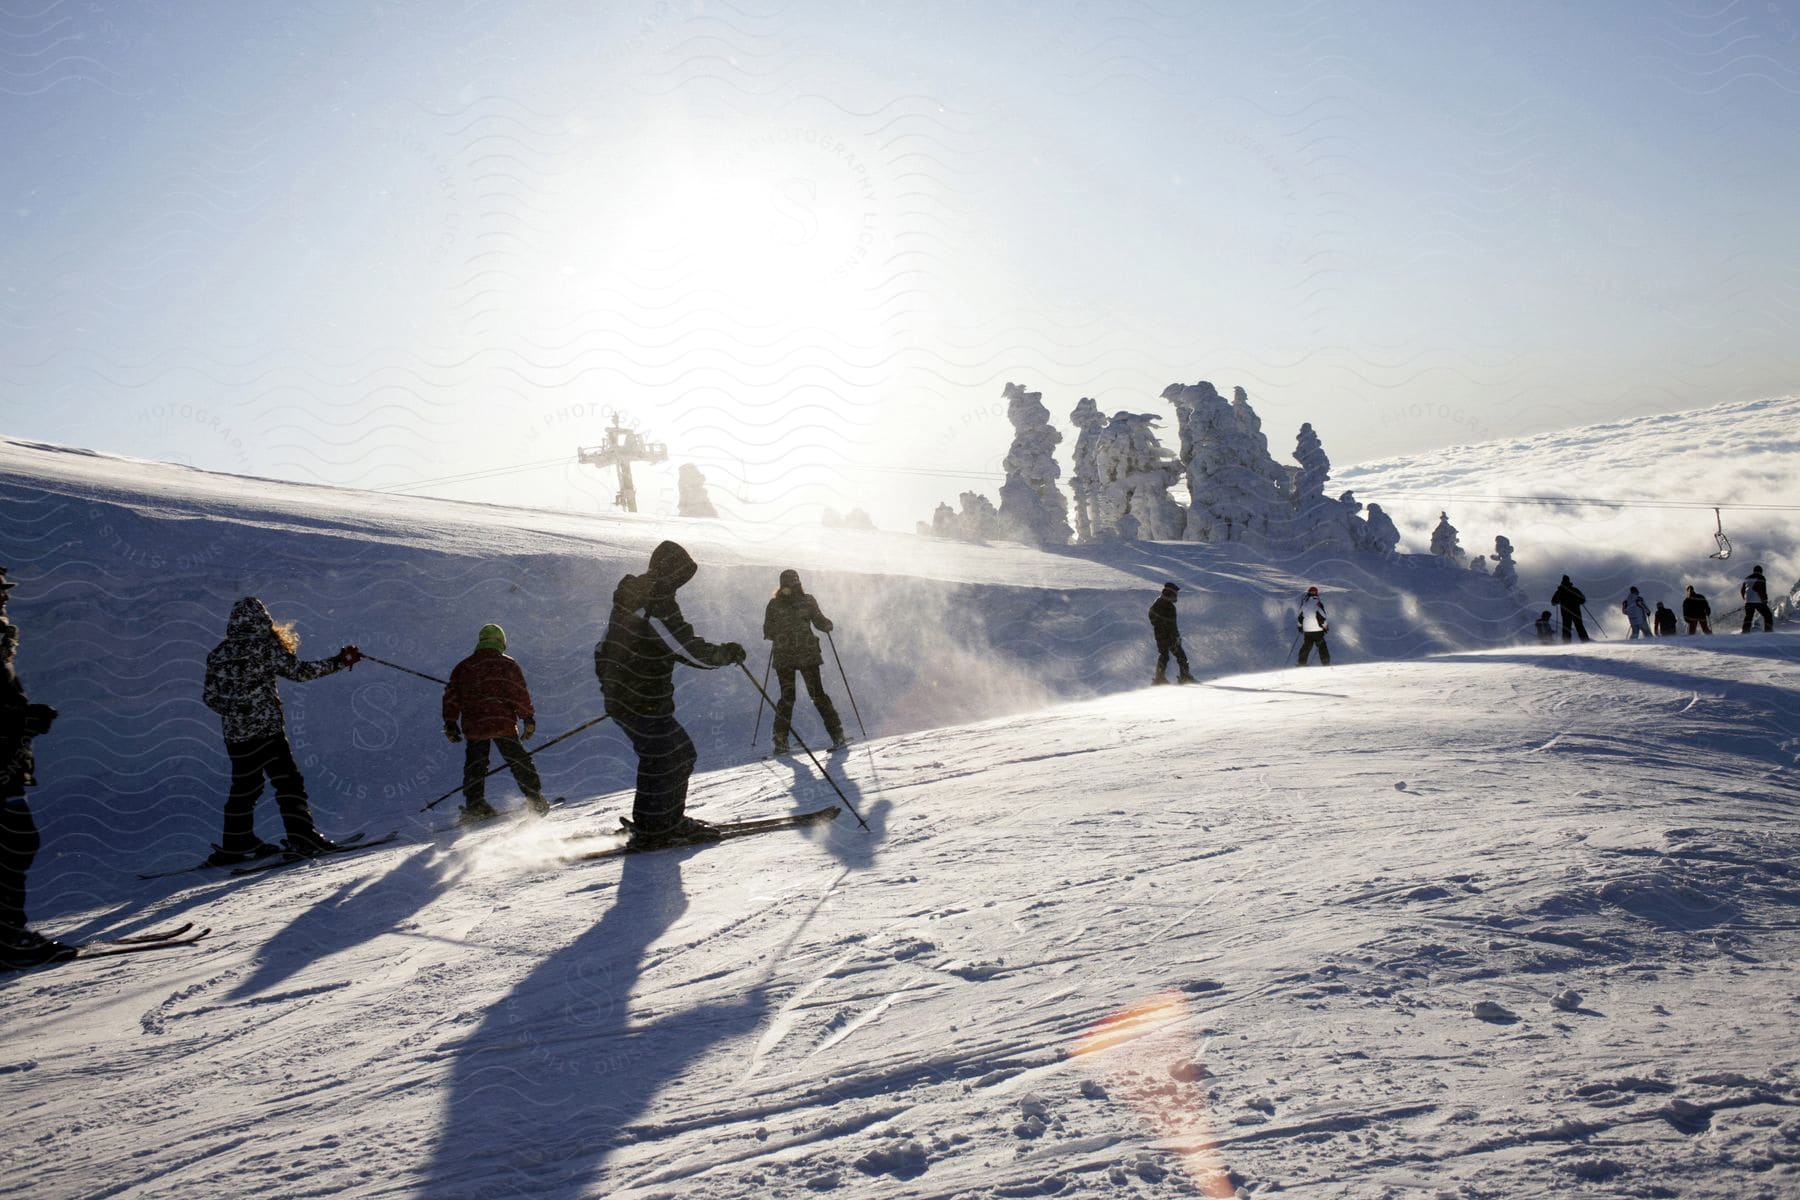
{"type": "Point", "coordinates": [805, 245]}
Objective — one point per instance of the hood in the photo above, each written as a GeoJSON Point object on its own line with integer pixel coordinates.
{"type": "Point", "coordinates": [671, 565]}
{"type": "Point", "coordinates": [248, 617]}
{"type": "Point", "coordinates": [491, 637]}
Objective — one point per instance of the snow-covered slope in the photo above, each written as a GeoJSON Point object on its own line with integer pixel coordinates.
{"type": "Point", "coordinates": [128, 569]}
{"type": "Point", "coordinates": [1740, 456]}
{"type": "Point", "coordinates": [1496, 924]}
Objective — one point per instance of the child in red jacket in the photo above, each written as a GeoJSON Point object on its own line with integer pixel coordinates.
{"type": "Point", "coordinates": [484, 701]}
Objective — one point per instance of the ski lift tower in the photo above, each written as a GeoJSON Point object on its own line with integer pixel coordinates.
{"type": "Point", "coordinates": [623, 447]}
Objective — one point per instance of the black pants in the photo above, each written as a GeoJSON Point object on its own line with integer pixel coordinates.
{"type": "Point", "coordinates": [815, 689]}
{"type": "Point", "coordinates": [666, 758]}
{"type": "Point", "coordinates": [1750, 612]}
{"type": "Point", "coordinates": [1308, 641]}
{"type": "Point", "coordinates": [1571, 620]}
{"type": "Point", "coordinates": [475, 765]}
{"type": "Point", "coordinates": [1700, 622]}
{"type": "Point", "coordinates": [251, 760]}
{"type": "Point", "coordinates": [19, 843]}
{"type": "Point", "coordinates": [1163, 650]}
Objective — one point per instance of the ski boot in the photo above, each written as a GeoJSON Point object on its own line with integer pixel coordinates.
{"type": "Point", "coordinates": [1184, 677]}
{"type": "Point", "coordinates": [538, 805]}
{"type": "Point", "coordinates": [475, 814]}
{"type": "Point", "coordinates": [1160, 679]}
{"type": "Point", "coordinates": [310, 844]}
{"type": "Point", "coordinates": [781, 746]}
{"type": "Point", "coordinates": [221, 857]}
{"type": "Point", "coordinates": [22, 948]}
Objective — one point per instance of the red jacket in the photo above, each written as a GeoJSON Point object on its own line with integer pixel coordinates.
{"type": "Point", "coordinates": [487, 694]}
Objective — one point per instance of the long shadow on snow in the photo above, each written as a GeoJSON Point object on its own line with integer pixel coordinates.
{"type": "Point", "coordinates": [356, 912]}
{"type": "Point", "coordinates": [551, 1082]}
{"type": "Point", "coordinates": [847, 841]}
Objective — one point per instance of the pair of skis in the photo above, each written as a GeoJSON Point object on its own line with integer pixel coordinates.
{"type": "Point", "coordinates": [161, 939]}
{"type": "Point", "coordinates": [719, 833]}
{"type": "Point", "coordinates": [352, 844]}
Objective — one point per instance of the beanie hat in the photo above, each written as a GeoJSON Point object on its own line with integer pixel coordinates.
{"type": "Point", "coordinates": [790, 578]}
{"type": "Point", "coordinates": [1312, 591]}
{"type": "Point", "coordinates": [1171, 586]}
{"type": "Point", "coordinates": [491, 637]}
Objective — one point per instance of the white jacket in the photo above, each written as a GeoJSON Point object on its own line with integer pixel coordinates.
{"type": "Point", "coordinates": [1311, 617]}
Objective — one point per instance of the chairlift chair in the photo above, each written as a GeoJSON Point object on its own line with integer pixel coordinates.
{"type": "Point", "coordinates": [1724, 550]}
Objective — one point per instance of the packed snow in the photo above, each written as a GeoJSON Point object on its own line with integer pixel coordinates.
{"type": "Point", "coordinates": [1461, 916]}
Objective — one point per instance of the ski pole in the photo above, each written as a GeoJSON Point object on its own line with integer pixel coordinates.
{"type": "Point", "coordinates": [815, 758]}
{"type": "Point", "coordinates": [840, 665]}
{"type": "Point", "coordinates": [532, 751]}
{"type": "Point", "coordinates": [1598, 628]}
{"type": "Point", "coordinates": [1295, 645]}
{"type": "Point", "coordinates": [756, 725]}
{"type": "Point", "coordinates": [422, 675]}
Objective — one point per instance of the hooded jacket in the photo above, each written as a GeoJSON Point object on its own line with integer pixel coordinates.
{"type": "Point", "coordinates": [1567, 596]}
{"type": "Point", "coordinates": [788, 622]}
{"type": "Point", "coordinates": [1163, 625]}
{"type": "Point", "coordinates": [241, 671]}
{"type": "Point", "coordinates": [635, 666]}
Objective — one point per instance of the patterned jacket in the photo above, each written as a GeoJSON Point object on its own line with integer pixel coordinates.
{"type": "Point", "coordinates": [241, 671]}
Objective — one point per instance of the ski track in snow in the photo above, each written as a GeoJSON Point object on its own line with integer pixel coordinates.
{"type": "Point", "coordinates": [1213, 954]}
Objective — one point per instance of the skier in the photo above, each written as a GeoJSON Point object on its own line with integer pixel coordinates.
{"type": "Point", "coordinates": [240, 687]}
{"type": "Point", "coordinates": [1638, 613]}
{"type": "Point", "coordinates": [1311, 623]}
{"type": "Point", "coordinates": [1755, 591]}
{"type": "Point", "coordinates": [636, 670]}
{"type": "Point", "coordinates": [1569, 599]}
{"type": "Point", "coordinates": [1664, 622]}
{"type": "Point", "coordinates": [20, 722]}
{"type": "Point", "coordinates": [1696, 611]}
{"type": "Point", "coordinates": [788, 622]}
{"type": "Point", "coordinates": [485, 701]}
{"type": "Point", "coordinates": [1168, 636]}
{"type": "Point", "coordinates": [1545, 630]}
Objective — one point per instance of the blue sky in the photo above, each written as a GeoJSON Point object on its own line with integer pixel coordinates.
{"type": "Point", "coordinates": [806, 245]}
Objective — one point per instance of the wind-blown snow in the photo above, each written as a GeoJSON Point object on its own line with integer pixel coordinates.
{"type": "Point", "coordinates": [1507, 922]}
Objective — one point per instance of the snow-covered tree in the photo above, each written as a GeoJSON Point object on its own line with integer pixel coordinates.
{"type": "Point", "coordinates": [1135, 472]}
{"type": "Point", "coordinates": [1084, 480]}
{"type": "Point", "coordinates": [1317, 521]}
{"type": "Point", "coordinates": [1478, 564]}
{"type": "Point", "coordinates": [979, 519]}
{"type": "Point", "coordinates": [944, 522]}
{"type": "Point", "coordinates": [1032, 506]}
{"type": "Point", "coordinates": [856, 518]}
{"type": "Point", "coordinates": [1384, 539]}
{"type": "Point", "coordinates": [1443, 541]}
{"type": "Point", "coordinates": [1232, 480]}
{"type": "Point", "coordinates": [691, 499]}
{"type": "Point", "coordinates": [1504, 570]}
{"type": "Point", "coordinates": [1353, 521]}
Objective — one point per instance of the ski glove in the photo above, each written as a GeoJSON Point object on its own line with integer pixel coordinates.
{"type": "Point", "coordinates": [731, 654]}
{"type": "Point", "coordinates": [38, 718]}
{"type": "Point", "coordinates": [530, 730]}
{"type": "Point", "coordinates": [349, 656]}
{"type": "Point", "coordinates": [452, 731]}
{"type": "Point", "coordinates": [824, 624]}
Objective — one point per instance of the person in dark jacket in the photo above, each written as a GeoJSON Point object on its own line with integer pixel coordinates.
{"type": "Point", "coordinates": [240, 687]}
{"type": "Point", "coordinates": [1755, 592]}
{"type": "Point", "coordinates": [1546, 629]}
{"type": "Point", "coordinates": [636, 669]}
{"type": "Point", "coordinates": [1696, 611]}
{"type": "Point", "coordinates": [1663, 620]}
{"type": "Point", "coordinates": [1168, 636]}
{"type": "Point", "coordinates": [484, 702]}
{"type": "Point", "coordinates": [788, 623]}
{"type": "Point", "coordinates": [20, 722]}
{"type": "Point", "coordinates": [1569, 599]}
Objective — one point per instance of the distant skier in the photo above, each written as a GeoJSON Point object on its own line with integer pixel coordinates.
{"type": "Point", "coordinates": [636, 669]}
{"type": "Point", "coordinates": [1755, 591]}
{"type": "Point", "coordinates": [485, 701]}
{"type": "Point", "coordinates": [1663, 620]}
{"type": "Point", "coordinates": [1638, 613]}
{"type": "Point", "coordinates": [1696, 611]}
{"type": "Point", "coordinates": [1311, 622]}
{"type": "Point", "coordinates": [788, 623]}
{"type": "Point", "coordinates": [1569, 599]}
{"type": "Point", "coordinates": [1546, 630]}
{"type": "Point", "coordinates": [20, 722]}
{"type": "Point", "coordinates": [240, 687]}
{"type": "Point", "coordinates": [1168, 636]}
